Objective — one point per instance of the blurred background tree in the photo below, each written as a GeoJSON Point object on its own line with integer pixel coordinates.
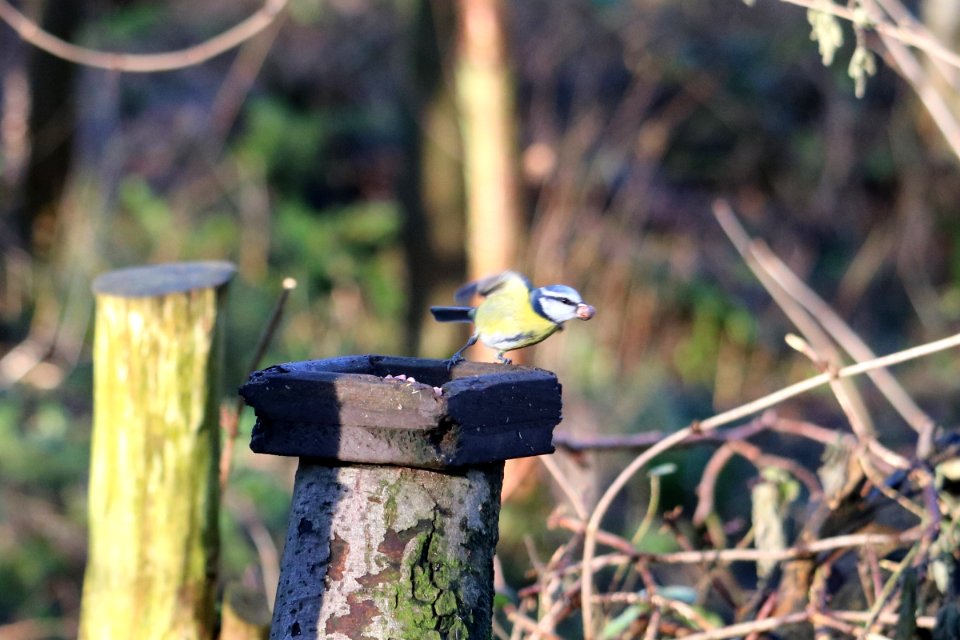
{"type": "Point", "coordinates": [330, 148]}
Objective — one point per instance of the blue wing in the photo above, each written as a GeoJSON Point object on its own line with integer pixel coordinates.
{"type": "Point", "coordinates": [486, 286]}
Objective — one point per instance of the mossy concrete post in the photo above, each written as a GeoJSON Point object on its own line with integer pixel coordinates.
{"type": "Point", "coordinates": [153, 495]}
{"type": "Point", "coordinates": [394, 519]}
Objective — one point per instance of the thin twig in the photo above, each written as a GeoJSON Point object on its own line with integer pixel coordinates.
{"type": "Point", "coordinates": [142, 63]}
{"type": "Point", "coordinates": [745, 628]}
{"type": "Point", "coordinates": [768, 421]}
{"type": "Point", "coordinates": [589, 546]}
{"type": "Point", "coordinates": [653, 626]}
{"type": "Point", "coordinates": [606, 538]}
{"type": "Point", "coordinates": [709, 556]}
{"type": "Point", "coordinates": [229, 421]}
{"type": "Point", "coordinates": [808, 430]}
{"type": "Point", "coordinates": [817, 346]}
{"type": "Point", "coordinates": [765, 609]}
{"type": "Point", "coordinates": [848, 339]}
{"type": "Point", "coordinates": [935, 104]}
{"type": "Point", "coordinates": [880, 484]}
{"type": "Point", "coordinates": [923, 622]}
{"type": "Point", "coordinates": [549, 620]}
{"type": "Point", "coordinates": [708, 480]}
{"type": "Point", "coordinates": [522, 621]}
{"type": "Point", "coordinates": [820, 349]}
{"type": "Point", "coordinates": [660, 602]}
{"type": "Point", "coordinates": [903, 18]}
{"type": "Point", "coordinates": [248, 516]}
{"type": "Point", "coordinates": [749, 555]}
{"type": "Point", "coordinates": [889, 589]}
{"type": "Point", "coordinates": [760, 460]}
{"type": "Point", "coordinates": [813, 382]}
{"type": "Point", "coordinates": [576, 501]}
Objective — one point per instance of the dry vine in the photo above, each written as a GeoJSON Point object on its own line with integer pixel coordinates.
{"type": "Point", "coordinates": [143, 63]}
{"type": "Point", "coordinates": [640, 600]}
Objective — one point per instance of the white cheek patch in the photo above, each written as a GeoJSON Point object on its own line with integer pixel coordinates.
{"type": "Point", "coordinates": [558, 311]}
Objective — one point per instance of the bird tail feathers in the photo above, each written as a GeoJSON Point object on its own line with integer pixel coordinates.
{"type": "Point", "coordinates": [452, 314]}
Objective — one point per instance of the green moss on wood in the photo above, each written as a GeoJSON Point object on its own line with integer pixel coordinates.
{"type": "Point", "coordinates": [427, 596]}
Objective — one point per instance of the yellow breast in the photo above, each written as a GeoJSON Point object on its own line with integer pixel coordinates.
{"type": "Point", "coordinates": [505, 320]}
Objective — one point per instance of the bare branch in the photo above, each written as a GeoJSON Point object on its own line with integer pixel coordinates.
{"type": "Point", "coordinates": [142, 63]}
{"type": "Point", "coordinates": [593, 525]}
{"type": "Point", "coordinates": [909, 37]}
{"type": "Point", "coordinates": [744, 628]}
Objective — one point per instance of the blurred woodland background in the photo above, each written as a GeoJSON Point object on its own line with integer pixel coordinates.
{"type": "Point", "coordinates": [330, 148]}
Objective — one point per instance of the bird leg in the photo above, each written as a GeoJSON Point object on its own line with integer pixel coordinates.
{"type": "Point", "coordinates": [457, 358]}
{"type": "Point", "coordinates": [503, 359]}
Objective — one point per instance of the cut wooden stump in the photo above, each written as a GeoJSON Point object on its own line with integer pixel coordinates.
{"type": "Point", "coordinates": [153, 497]}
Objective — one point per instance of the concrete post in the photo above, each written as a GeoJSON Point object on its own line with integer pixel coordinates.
{"type": "Point", "coordinates": [396, 503]}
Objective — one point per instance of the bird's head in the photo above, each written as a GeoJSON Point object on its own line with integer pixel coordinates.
{"type": "Point", "coordinates": [559, 303]}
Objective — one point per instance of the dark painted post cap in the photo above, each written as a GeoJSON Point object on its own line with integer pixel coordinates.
{"type": "Point", "coordinates": [365, 409]}
{"type": "Point", "coordinates": [163, 279]}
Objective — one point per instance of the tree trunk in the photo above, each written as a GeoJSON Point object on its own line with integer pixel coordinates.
{"type": "Point", "coordinates": [52, 125]}
{"type": "Point", "coordinates": [488, 125]}
{"type": "Point", "coordinates": [431, 187]}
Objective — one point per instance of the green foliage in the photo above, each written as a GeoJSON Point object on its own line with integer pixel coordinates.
{"type": "Point", "coordinates": [335, 246]}
{"type": "Point", "coordinates": [619, 625]}
{"type": "Point", "coordinates": [348, 249]}
{"type": "Point", "coordinates": [40, 443]}
{"type": "Point", "coordinates": [257, 499]}
{"type": "Point", "coordinates": [149, 225]}
{"type": "Point", "coordinates": [714, 318]}
{"type": "Point", "coordinates": [289, 143]}
{"type": "Point", "coordinates": [148, 210]}
{"type": "Point", "coordinates": [134, 21]}
{"type": "Point", "coordinates": [44, 452]}
{"type": "Point", "coordinates": [658, 541]}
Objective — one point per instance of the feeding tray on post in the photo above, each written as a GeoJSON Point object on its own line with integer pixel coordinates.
{"type": "Point", "coordinates": [348, 409]}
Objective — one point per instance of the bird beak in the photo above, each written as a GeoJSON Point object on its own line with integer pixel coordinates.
{"type": "Point", "coordinates": [585, 311]}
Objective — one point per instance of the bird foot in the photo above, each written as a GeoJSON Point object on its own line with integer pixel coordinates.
{"type": "Point", "coordinates": [503, 359]}
{"type": "Point", "coordinates": [454, 360]}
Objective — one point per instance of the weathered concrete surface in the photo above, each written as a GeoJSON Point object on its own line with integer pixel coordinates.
{"type": "Point", "coordinates": [389, 552]}
{"type": "Point", "coordinates": [395, 510]}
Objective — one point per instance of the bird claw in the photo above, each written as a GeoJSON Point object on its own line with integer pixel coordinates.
{"type": "Point", "coordinates": [503, 359]}
{"type": "Point", "coordinates": [454, 360]}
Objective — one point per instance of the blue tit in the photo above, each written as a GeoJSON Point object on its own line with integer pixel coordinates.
{"type": "Point", "coordinates": [512, 313]}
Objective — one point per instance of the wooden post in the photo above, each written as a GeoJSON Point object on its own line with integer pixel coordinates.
{"type": "Point", "coordinates": [396, 503]}
{"type": "Point", "coordinates": [153, 497]}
